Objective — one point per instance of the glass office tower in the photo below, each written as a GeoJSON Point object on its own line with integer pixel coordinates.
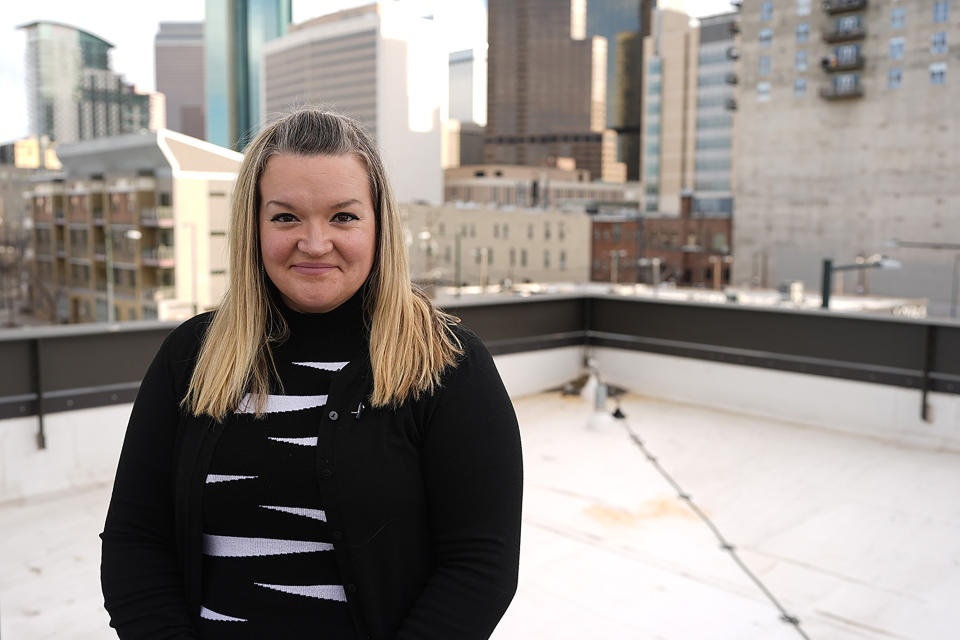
{"type": "Point", "coordinates": [624, 23]}
{"type": "Point", "coordinates": [235, 33]}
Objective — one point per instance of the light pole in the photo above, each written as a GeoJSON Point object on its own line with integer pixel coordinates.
{"type": "Point", "coordinates": [615, 255]}
{"type": "Point", "coordinates": [941, 246]}
{"type": "Point", "coordinates": [873, 262]}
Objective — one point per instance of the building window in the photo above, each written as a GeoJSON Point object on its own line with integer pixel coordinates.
{"type": "Point", "coordinates": [896, 48]}
{"type": "Point", "coordinates": [764, 66]}
{"type": "Point", "coordinates": [803, 32]}
{"type": "Point", "coordinates": [513, 257]}
{"type": "Point", "coordinates": [560, 231]}
{"type": "Point", "coordinates": [938, 42]}
{"type": "Point", "coordinates": [800, 87]}
{"type": "Point", "coordinates": [496, 230]}
{"type": "Point", "coordinates": [849, 24]}
{"type": "Point", "coordinates": [941, 11]}
{"type": "Point", "coordinates": [894, 78]}
{"type": "Point", "coordinates": [847, 54]}
{"type": "Point", "coordinates": [803, 7]}
{"type": "Point", "coordinates": [766, 10]}
{"type": "Point", "coordinates": [800, 60]}
{"type": "Point", "coordinates": [523, 257]}
{"type": "Point", "coordinates": [546, 258]}
{"type": "Point", "coordinates": [938, 73]}
{"type": "Point", "coordinates": [546, 230]}
{"type": "Point", "coordinates": [763, 91]}
{"type": "Point", "coordinates": [506, 231]}
{"type": "Point", "coordinates": [898, 18]}
{"type": "Point", "coordinates": [529, 232]}
{"type": "Point", "coordinates": [766, 37]}
{"type": "Point", "coordinates": [563, 260]}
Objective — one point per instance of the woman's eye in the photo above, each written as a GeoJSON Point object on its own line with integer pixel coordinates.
{"type": "Point", "coordinates": [344, 217]}
{"type": "Point", "coordinates": [283, 217]}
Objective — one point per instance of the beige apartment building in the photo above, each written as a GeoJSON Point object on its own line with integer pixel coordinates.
{"type": "Point", "coordinates": [476, 245]}
{"type": "Point", "coordinates": [133, 227]}
{"type": "Point", "coordinates": [847, 141]}
{"type": "Point", "coordinates": [535, 187]}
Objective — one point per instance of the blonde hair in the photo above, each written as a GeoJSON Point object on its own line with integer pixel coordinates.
{"type": "Point", "coordinates": [411, 342]}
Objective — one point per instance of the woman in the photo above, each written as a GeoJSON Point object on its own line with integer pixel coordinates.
{"type": "Point", "coordinates": [326, 452]}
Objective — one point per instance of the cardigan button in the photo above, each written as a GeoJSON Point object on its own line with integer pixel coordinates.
{"type": "Point", "coordinates": [326, 473]}
{"type": "Point", "coordinates": [333, 415]}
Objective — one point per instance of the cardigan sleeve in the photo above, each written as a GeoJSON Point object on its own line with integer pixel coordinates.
{"type": "Point", "coordinates": [140, 572]}
{"type": "Point", "coordinates": [473, 479]}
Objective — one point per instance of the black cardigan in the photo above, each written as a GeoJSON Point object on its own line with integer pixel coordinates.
{"type": "Point", "coordinates": [425, 499]}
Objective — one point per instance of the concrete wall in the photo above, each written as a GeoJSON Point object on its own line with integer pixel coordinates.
{"type": "Point", "coordinates": [83, 446]}
{"type": "Point", "coordinates": [82, 450]}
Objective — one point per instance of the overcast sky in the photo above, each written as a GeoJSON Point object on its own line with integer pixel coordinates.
{"type": "Point", "coordinates": [131, 27]}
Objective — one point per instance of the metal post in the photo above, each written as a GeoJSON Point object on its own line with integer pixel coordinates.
{"type": "Point", "coordinates": [457, 262]}
{"type": "Point", "coordinates": [826, 282]}
{"type": "Point", "coordinates": [953, 290]}
{"type": "Point", "coordinates": [108, 245]}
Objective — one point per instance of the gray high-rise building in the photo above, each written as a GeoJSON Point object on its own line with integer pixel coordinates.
{"type": "Point", "coordinates": [235, 32]}
{"type": "Point", "coordinates": [546, 88]}
{"type": "Point", "coordinates": [846, 145]}
{"type": "Point", "coordinates": [178, 49]}
{"type": "Point", "coordinates": [72, 94]}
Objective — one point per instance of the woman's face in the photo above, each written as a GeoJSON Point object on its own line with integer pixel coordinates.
{"type": "Point", "coordinates": [317, 229]}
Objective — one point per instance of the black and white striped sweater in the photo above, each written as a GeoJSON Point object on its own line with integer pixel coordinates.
{"type": "Point", "coordinates": [269, 567]}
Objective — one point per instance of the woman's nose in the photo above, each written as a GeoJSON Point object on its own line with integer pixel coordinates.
{"type": "Point", "coordinates": [315, 241]}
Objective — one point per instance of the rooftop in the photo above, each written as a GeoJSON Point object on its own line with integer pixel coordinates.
{"type": "Point", "coordinates": [854, 535]}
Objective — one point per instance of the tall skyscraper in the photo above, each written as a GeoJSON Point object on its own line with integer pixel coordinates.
{"type": "Point", "coordinates": [546, 89]}
{"type": "Point", "coordinates": [179, 69]}
{"type": "Point", "coordinates": [235, 32]}
{"type": "Point", "coordinates": [72, 94]}
{"type": "Point", "coordinates": [381, 64]}
{"type": "Point", "coordinates": [624, 24]}
{"type": "Point", "coordinates": [846, 142]}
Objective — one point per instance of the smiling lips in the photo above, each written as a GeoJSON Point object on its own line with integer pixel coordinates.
{"type": "Point", "coordinates": [313, 268]}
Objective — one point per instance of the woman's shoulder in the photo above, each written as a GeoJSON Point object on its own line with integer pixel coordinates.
{"type": "Point", "coordinates": [184, 341]}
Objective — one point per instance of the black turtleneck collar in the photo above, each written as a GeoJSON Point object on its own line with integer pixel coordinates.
{"type": "Point", "coordinates": [345, 324]}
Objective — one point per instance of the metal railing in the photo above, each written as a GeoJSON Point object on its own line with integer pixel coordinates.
{"type": "Point", "coordinates": [915, 354]}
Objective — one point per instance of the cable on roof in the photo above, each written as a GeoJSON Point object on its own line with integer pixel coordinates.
{"type": "Point", "coordinates": [725, 545]}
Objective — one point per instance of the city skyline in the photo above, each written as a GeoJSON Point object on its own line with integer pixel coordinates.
{"type": "Point", "coordinates": [133, 55]}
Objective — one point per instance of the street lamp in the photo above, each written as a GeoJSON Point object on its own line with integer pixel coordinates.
{"type": "Point", "coordinates": [873, 262]}
{"type": "Point", "coordinates": [943, 246]}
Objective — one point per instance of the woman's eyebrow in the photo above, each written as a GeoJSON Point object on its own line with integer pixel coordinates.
{"type": "Point", "coordinates": [279, 203]}
{"type": "Point", "coordinates": [345, 203]}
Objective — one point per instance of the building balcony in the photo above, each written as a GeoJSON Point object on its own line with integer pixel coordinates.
{"type": "Point", "coordinates": [730, 104]}
{"type": "Point", "coordinates": [58, 216]}
{"type": "Point", "coordinates": [832, 63]}
{"type": "Point", "coordinates": [842, 6]}
{"type": "Point", "coordinates": [833, 34]}
{"type": "Point", "coordinates": [157, 217]}
{"type": "Point", "coordinates": [161, 256]}
{"type": "Point", "coordinates": [842, 91]}
{"type": "Point", "coordinates": [731, 78]}
{"type": "Point", "coordinates": [159, 293]}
